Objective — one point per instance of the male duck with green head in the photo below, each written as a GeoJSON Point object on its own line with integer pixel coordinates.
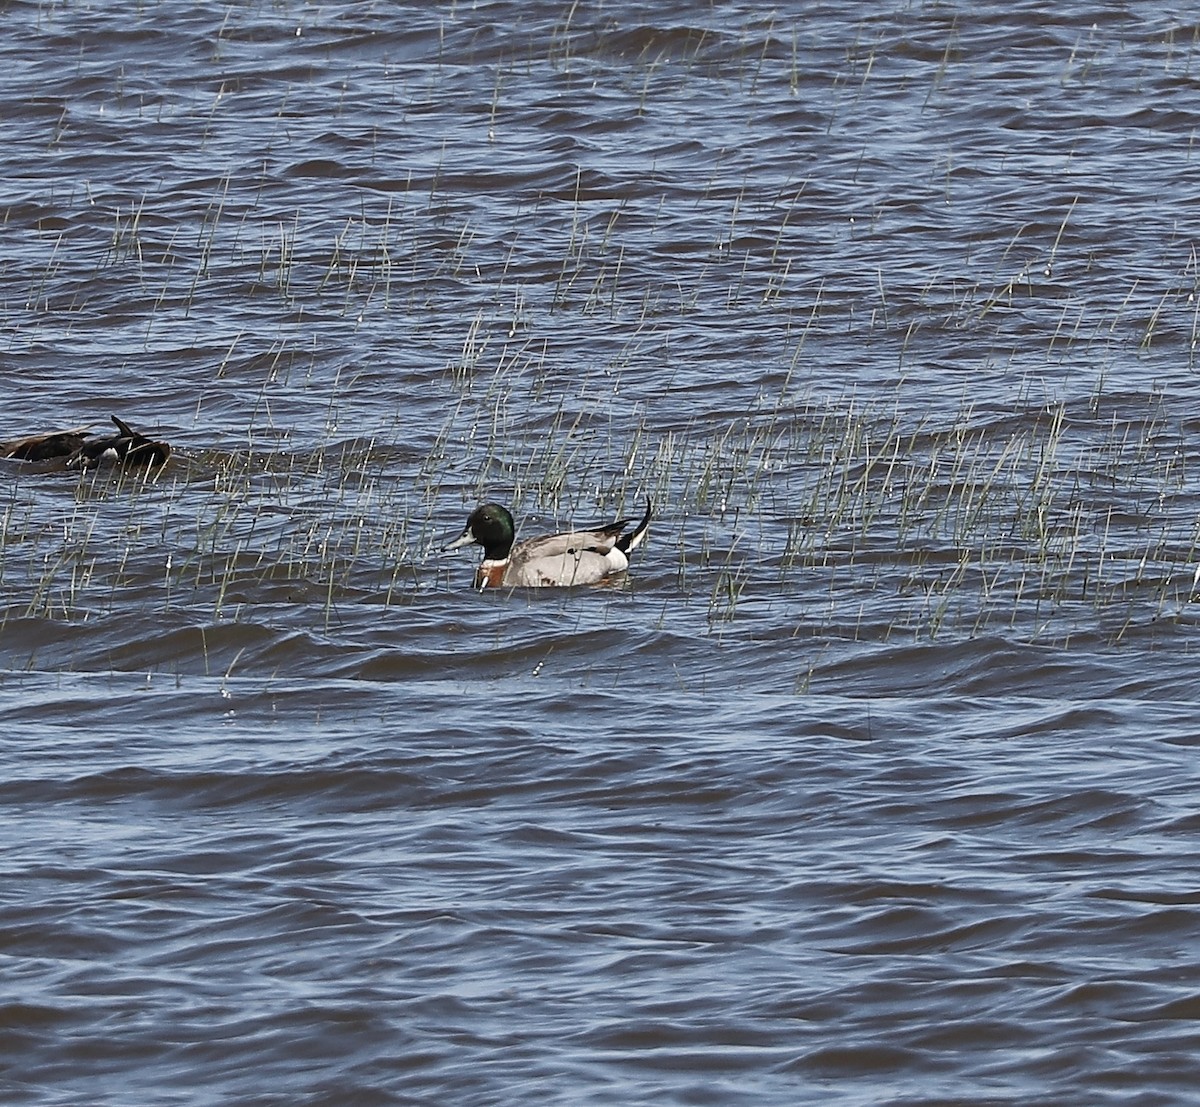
{"type": "Point", "coordinates": [552, 560]}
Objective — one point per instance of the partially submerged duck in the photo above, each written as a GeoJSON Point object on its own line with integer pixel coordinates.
{"type": "Point", "coordinates": [585, 556]}
{"type": "Point", "coordinates": [126, 447]}
{"type": "Point", "coordinates": [79, 450]}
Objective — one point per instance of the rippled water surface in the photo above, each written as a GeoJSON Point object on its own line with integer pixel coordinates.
{"type": "Point", "coordinates": [875, 782]}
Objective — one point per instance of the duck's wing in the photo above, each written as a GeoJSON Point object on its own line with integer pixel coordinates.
{"type": "Point", "coordinates": [44, 447]}
{"type": "Point", "coordinates": [568, 543]}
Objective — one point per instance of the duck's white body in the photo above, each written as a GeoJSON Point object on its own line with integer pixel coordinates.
{"type": "Point", "coordinates": [560, 560]}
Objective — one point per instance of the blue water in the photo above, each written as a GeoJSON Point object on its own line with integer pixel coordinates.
{"type": "Point", "coordinates": [872, 783]}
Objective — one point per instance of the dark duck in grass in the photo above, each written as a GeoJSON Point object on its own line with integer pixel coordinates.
{"type": "Point", "coordinates": [77, 450]}
{"type": "Point", "coordinates": [586, 556]}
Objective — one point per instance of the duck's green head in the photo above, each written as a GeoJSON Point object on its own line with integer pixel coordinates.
{"type": "Point", "coordinates": [490, 526]}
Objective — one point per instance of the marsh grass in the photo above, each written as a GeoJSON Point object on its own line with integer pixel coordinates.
{"type": "Point", "coordinates": [579, 359]}
{"type": "Point", "coordinates": [840, 519]}
{"type": "Point", "coordinates": [834, 517]}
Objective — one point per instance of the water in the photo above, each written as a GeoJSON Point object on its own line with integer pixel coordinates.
{"type": "Point", "coordinates": [874, 782]}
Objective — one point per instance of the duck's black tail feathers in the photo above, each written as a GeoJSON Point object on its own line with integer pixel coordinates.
{"type": "Point", "coordinates": [627, 543]}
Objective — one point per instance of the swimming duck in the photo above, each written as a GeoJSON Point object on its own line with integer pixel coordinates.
{"type": "Point", "coordinates": [126, 447]}
{"type": "Point", "coordinates": [552, 560]}
{"type": "Point", "coordinates": [45, 447]}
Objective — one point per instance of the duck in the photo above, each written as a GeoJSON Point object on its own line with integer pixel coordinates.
{"type": "Point", "coordinates": [126, 447]}
{"type": "Point", "coordinates": [45, 447]}
{"type": "Point", "coordinates": [79, 449]}
{"type": "Point", "coordinates": [585, 556]}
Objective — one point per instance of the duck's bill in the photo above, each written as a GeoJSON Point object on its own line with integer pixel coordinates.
{"type": "Point", "coordinates": [464, 539]}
